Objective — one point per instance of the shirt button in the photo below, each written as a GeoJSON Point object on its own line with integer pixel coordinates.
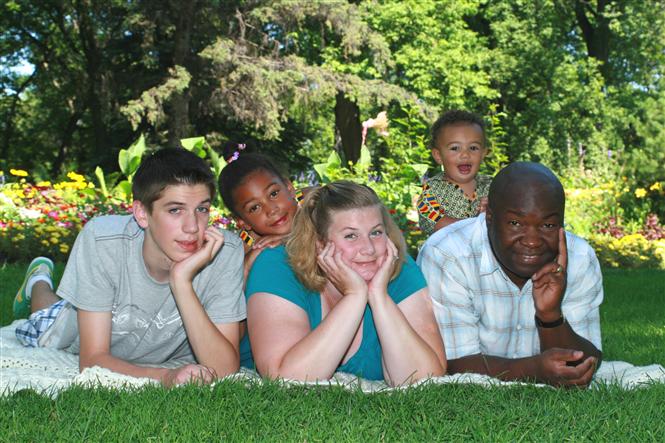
{"type": "Point", "coordinates": [519, 327]}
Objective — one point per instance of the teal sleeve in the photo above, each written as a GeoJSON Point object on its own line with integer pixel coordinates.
{"type": "Point", "coordinates": [272, 273]}
{"type": "Point", "coordinates": [409, 281]}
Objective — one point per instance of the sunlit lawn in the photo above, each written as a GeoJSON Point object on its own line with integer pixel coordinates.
{"type": "Point", "coordinates": [633, 324]}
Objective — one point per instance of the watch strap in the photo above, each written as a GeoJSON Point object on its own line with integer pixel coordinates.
{"type": "Point", "coordinates": [549, 324]}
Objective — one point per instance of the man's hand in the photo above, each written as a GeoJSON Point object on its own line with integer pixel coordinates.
{"type": "Point", "coordinates": [213, 240]}
{"type": "Point", "coordinates": [554, 367]}
{"type": "Point", "coordinates": [549, 284]}
{"type": "Point", "coordinates": [188, 374]}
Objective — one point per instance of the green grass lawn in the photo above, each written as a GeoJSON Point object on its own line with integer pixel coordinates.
{"type": "Point", "coordinates": [633, 325]}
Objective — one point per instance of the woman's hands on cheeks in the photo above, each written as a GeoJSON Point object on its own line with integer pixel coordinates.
{"type": "Point", "coordinates": [378, 286]}
{"type": "Point", "coordinates": [346, 280]}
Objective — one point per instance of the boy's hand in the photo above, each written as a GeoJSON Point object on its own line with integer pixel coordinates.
{"type": "Point", "coordinates": [212, 241]}
{"type": "Point", "coordinates": [482, 205]}
{"type": "Point", "coordinates": [549, 284]}
{"type": "Point", "coordinates": [188, 373]}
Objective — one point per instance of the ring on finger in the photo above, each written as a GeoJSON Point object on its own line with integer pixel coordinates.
{"type": "Point", "coordinates": [559, 269]}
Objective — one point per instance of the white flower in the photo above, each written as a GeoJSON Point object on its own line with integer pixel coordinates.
{"type": "Point", "coordinates": [29, 213]}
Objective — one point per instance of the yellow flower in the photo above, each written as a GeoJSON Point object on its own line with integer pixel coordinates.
{"type": "Point", "coordinates": [640, 192]}
{"type": "Point", "coordinates": [64, 248]}
{"type": "Point", "coordinates": [45, 184]}
{"type": "Point", "coordinates": [76, 177]}
{"type": "Point", "coordinates": [18, 172]}
{"type": "Point", "coordinates": [655, 187]}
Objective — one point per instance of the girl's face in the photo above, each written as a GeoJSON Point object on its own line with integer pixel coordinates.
{"type": "Point", "coordinates": [265, 203]}
{"type": "Point", "coordinates": [361, 237]}
{"type": "Point", "coordinates": [460, 148]}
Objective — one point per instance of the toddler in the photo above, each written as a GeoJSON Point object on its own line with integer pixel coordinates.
{"type": "Point", "coordinates": [459, 144]}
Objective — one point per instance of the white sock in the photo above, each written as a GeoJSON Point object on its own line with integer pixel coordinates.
{"type": "Point", "coordinates": [34, 279]}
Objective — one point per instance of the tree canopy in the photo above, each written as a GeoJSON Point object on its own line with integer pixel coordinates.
{"type": "Point", "coordinates": [578, 83]}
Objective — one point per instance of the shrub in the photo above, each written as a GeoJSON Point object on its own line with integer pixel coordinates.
{"type": "Point", "coordinates": [629, 251]}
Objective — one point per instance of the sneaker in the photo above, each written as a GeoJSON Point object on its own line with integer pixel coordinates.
{"type": "Point", "coordinates": [41, 266]}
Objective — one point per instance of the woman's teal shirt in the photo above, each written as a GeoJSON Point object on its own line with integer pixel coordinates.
{"type": "Point", "coordinates": [272, 273]}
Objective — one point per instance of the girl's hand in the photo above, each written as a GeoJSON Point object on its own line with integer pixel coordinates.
{"type": "Point", "coordinates": [346, 280]}
{"type": "Point", "coordinates": [269, 241]}
{"type": "Point", "coordinates": [378, 287]}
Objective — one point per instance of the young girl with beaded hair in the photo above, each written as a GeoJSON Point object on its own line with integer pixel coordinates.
{"type": "Point", "coordinates": [342, 295]}
{"type": "Point", "coordinates": [261, 198]}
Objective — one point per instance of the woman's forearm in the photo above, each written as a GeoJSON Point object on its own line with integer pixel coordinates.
{"type": "Point", "coordinates": [407, 357]}
{"type": "Point", "coordinates": [320, 352]}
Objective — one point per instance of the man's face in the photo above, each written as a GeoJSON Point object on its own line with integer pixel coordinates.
{"type": "Point", "coordinates": [176, 226]}
{"type": "Point", "coordinates": [524, 232]}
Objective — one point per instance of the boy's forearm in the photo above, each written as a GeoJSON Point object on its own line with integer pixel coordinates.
{"type": "Point", "coordinates": [211, 348]}
{"type": "Point", "coordinates": [120, 366]}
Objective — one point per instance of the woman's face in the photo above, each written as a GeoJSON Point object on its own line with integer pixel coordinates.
{"type": "Point", "coordinates": [361, 237]}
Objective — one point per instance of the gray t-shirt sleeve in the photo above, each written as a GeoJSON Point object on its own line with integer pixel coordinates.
{"type": "Point", "coordinates": [220, 285]}
{"type": "Point", "coordinates": [86, 282]}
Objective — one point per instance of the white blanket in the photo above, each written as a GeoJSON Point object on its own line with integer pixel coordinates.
{"type": "Point", "coordinates": [48, 371]}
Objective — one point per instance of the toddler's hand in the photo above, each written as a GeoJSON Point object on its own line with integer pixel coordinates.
{"type": "Point", "coordinates": [482, 206]}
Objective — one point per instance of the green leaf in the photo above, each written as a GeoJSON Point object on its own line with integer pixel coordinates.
{"type": "Point", "coordinates": [99, 173]}
{"type": "Point", "coordinates": [124, 189]}
{"type": "Point", "coordinates": [334, 161]}
{"type": "Point", "coordinates": [192, 143]}
{"type": "Point", "coordinates": [123, 161]}
{"type": "Point", "coordinates": [420, 168]}
{"type": "Point", "coordinates": [365, 160]}
{"type": "Point", "coordinates": [322, 169]}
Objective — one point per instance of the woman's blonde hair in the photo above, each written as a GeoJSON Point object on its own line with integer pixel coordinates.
{"type": "Point", "coordinates": [313, 220]}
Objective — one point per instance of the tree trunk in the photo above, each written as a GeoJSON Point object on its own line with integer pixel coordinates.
{"type": "Point", "coordinates": [597, 34]}
{"type": "Point", "coordinates": [178, 118]}
{"type": "Point", "coordinates": [65, 143]}
{"type": "Point", "coordinates": [347, 122]}
{"type": "Point", "coordinates": [96, 90]}
{"type": "Point", "coordinates": [9, 127]}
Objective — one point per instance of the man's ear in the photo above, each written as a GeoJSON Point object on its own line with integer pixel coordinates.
{"type": "Point", "coordinates": [488, 215]}
{"type": "Point", "coordinates": [141, 214]}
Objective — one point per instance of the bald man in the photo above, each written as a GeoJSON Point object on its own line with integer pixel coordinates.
{"type": "Point", "coordinates": [516, 297]}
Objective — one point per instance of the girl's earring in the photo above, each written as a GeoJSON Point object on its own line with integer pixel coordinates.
{"type": "Point", "coordinates": [246, 237]}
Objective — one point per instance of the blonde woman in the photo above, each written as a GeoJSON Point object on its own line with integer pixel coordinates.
{"type": "Point", "coordinates": [342, 295]}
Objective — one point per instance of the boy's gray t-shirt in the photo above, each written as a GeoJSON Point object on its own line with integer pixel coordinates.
{"type": "Point", "coordinates": [106, 272]}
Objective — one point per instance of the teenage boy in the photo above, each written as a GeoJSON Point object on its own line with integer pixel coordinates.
{"type": "Point", "coordinates": [155, 294]}
{"type": "Point", "coordinates": [517, 297]}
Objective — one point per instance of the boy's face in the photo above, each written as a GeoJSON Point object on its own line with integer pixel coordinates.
{"type": "Point", "coordinates": [460, 149]}
{"type": "Point", "coordinates": [175, 227]}
{"type": "Point", "coordinates": [265, 204]}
